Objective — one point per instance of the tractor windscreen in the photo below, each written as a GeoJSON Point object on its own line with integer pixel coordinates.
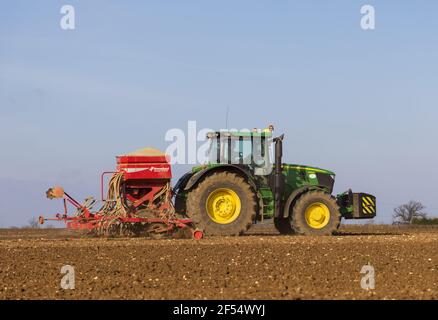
{"type": "Point", "coordinates": [238, 149]}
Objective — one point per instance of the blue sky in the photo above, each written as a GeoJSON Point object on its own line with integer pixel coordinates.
{"type": "Point", "coordinates": [361, 103]}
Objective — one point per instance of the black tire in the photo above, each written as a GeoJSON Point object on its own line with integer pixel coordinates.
{"type": "Point", "coordinates": [298, 218]}
{"type": "Point", "coordinates": [197, 200]}
{"type": "Point", "coordinates": [283, 225]}
{"type": "Point", "coordinates": [180, 204]}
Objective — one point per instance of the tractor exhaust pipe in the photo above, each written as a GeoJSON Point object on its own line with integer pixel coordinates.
{"type": "Point", "coordinates": [278, 177]}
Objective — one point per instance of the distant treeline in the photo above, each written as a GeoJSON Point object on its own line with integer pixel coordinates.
{"type": "Point", "coordinates": [425, 221]}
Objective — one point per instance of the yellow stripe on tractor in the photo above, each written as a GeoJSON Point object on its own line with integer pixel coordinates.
{"type": "Point", "coordinates": [368, 205]}
{"type": "Point", "coordinates": [370, 200]}
{"type": "Point", "coordinates": [366, 201]}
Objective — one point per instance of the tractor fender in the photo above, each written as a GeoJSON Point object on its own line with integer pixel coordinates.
{"type": "Point", "coordinates": [226, 167]}
{"type": "Point", "coordinates": [294, 195]}
{"type": "Point", "coordinates": [182, 182]}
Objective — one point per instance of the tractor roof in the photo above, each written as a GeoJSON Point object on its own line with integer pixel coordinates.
{"type": "Point", "coordinates": [245, 134]}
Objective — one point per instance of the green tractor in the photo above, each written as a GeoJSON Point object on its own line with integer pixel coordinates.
{"type": "Point", "coordinates": [245, 182]}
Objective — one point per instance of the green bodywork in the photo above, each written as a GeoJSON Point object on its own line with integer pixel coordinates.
{"type": "Point", "coordinates": [295, 177]}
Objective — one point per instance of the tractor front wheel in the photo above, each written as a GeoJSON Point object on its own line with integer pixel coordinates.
{"type": "Point", "coordinates": [315, 213]}
{"type": "Point", "coordinates": [222, 204]}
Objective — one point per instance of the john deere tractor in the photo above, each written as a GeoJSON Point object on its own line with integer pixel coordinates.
{"type": "Point", "coordinates": [245, 182]}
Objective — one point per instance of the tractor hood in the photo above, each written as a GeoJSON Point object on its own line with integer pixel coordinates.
{"type": "Point", "coordinates": [312, 175]}
{"type": "Point", "coordinates": [307, 168]}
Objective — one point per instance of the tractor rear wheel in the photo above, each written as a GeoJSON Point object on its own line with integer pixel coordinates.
{"type": "Point", "coordinates": [315, 213]}
{"type": "Point", "coordinates": [222, 204]}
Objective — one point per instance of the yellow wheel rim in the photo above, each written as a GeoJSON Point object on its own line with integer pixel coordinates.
{"type": "Point", "coordinates": [223, 206]}
{"type": "Point", "coordinates": [317, 215]}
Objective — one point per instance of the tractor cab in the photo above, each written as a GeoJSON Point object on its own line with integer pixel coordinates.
{"type": "Point", "coordinates": [253, 149]}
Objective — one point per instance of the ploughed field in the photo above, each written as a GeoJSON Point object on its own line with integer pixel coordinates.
{"type": "Point", "coordinates": [260, 265]}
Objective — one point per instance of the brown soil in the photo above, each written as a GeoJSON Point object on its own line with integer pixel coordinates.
{"type": "Point", "coordinates": [262, 265]}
